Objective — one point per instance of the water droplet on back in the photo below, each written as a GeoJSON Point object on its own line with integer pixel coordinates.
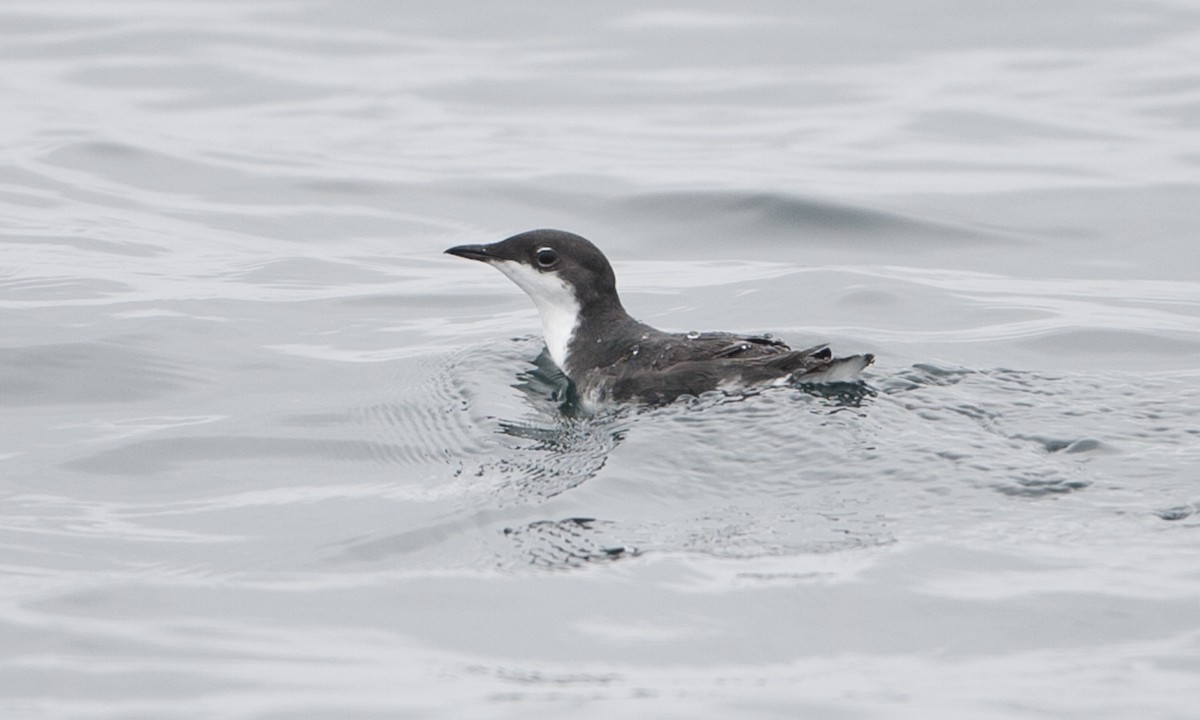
{"type": "Point", "coordinates": [693, 335]}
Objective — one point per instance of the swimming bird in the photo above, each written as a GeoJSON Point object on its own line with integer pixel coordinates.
{"type": "Point", "coordinates": [610, 357]}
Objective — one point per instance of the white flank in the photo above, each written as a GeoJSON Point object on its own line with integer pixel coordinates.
{"type": "Point", "coordinates": [555, 302]}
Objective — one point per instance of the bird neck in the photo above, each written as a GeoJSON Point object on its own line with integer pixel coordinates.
{"type": "Point", "coordinates": [600, 336]}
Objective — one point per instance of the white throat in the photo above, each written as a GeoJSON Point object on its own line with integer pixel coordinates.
{"type": "Point", "coordinates": [555, 302]}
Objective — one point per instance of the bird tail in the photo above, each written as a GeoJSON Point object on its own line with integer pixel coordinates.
{"type": "Point", "coordinates": [834, 370]}
{"type": "Point", "coordinates": [818, 365]}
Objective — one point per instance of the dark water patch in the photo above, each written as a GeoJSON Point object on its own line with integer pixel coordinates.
{"type": "Point", "coordinates": [1179, 512]}
{"type": "Point", "coordinates": [1047, 485]}
{"type": "Point", "coordinates": [546, 389]}
{"type": "Point", "coordinates": [102, 372]}
{"type": "Point", "coordinates": [844, 395]}
{"type": "Point", "coordinates": [1053, 445]}
{"type": "Point", "coordinates": [566, 543]}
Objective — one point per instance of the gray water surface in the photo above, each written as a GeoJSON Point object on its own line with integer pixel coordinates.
{"type": "Point", "coordinates": [267, 453]}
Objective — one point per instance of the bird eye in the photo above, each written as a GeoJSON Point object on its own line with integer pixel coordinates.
{"type": "Point", "coordinates": [546, 257]}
